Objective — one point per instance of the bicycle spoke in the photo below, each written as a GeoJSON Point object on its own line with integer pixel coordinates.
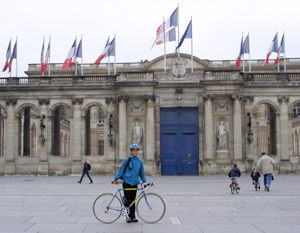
{"type": "Point", "coordinates": [152, 208]}
{"type": "Point", "coordinates": [106, 208]}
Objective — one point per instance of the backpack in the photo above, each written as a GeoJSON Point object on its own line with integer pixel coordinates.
{"type": "Point", "coordinates": [89, 166]}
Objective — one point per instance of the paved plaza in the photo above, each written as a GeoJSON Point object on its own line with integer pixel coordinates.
{"type": "Point", "coordinates": [194, 204]}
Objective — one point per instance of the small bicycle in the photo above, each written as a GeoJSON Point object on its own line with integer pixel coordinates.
{"type": "Point", "coordinates": [150, 207]}
{"type": "Point", "coordinates": [234, 187]}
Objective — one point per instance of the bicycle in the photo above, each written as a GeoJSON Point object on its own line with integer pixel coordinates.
{"type": "Point", "coordinates": [234, 187]}
{"type": "Point", "coordinates": [150, 207]}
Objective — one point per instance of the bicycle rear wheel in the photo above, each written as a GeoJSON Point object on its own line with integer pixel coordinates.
{"type": "Point", "coordinates": [232, 188]}
{"type": "Point", "coordinates": [237, 189]}
{"type": "Point", "coordinates": [151, 208]}
{"type": "Point", "coordinates": [107, 208]}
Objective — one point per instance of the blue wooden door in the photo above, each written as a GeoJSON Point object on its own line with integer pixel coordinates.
{"type": "Point", "coordinates": [179, 141]}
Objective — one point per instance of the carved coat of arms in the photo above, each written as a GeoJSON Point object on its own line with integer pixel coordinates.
{"type": "Point", "coordinates": [179, 67]}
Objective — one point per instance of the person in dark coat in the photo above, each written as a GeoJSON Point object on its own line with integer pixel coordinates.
{"type": "Point", "coordinates": [255, 177]}
{"type": "Point", "coordinates": [85, 171]}
{"type": "Point", "coordinates": [234, 173]}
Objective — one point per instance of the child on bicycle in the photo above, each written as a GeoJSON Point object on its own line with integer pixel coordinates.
{"type": "Point", "coordinates": [234, 173]}
{"type": "Point", "coordinates": [130, 172]}
{"type": "Point", "coordinates": [255, 177]}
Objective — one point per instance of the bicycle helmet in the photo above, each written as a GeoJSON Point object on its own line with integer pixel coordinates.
{"type": "Point", "coordinates": [134, 146]}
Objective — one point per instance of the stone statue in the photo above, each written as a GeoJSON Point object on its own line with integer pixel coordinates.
{"type": "Point", "coordinates": [222, 137]}
{"type": "Point", "coordinates": [137, 134]}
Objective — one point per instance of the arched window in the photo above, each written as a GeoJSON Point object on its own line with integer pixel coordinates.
{"type": "Point", "coordinates": [94, 131]}
{"type": "Point", "coordinates": [27, 138]}
{"type": "Point", "coordinates": [60, 126]}
{"type": "Point", "coordinates": [266, 129]}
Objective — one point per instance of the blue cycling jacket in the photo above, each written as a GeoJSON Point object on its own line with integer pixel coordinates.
{"type": "Point", "coordinates": [134, 171]}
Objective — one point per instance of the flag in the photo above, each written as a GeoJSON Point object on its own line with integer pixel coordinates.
{"type": "Point", "coordinates": [79, 50]}
{"type": "Point", "coordinates": [238, 60]}
{"type": "Point", "coordinates": [246, 47]}
{"type": "Point", "coordinates": [42, 57]}
{"type": "Point", "coordinates": [8, 55]}
{"type": "Point", "coordinates": [103, 54]}
{"type": "Point", "coordinates": [111, 49]}
{"type": "Point", "coordinates": [13, 56]}
{"type": "Point", "coordinates": [273, 48]}
{"type": "Point", "coordinates": [68, 62]}
{"type": "Point", "coordinates": [280, 50]}
{"type": "Point", "coordinates": [47, 56]}
{"type": "Point", "coordinates": [170, 22]}
{"type": "Point", "coordinates": [186, 34]}
{"type": "Point", "coordinates": [169, 36]}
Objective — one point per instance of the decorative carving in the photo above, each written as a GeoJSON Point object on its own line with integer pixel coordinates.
{"type": "Point", "coordinates": [44, 101]}
{"type": "Point", "coordinates": [248, 98]}
{"type": "Point", "coordinates": [222, 137]}
{"type": "Point", "coordinates": [178, 67]}
{"type": "Point", "coordinates": [237, 97]}
{"type": "Point", "coordinates": [137, 106]}
{"type": "Point", "coordinates": [77, 101]}
{"type": "Point", "coordinates": [11, 101]}
{"type": "Point", "coordinates": [122, 97]}
{"type": "Point", "coordinates": [283, 99]}
{"type": "Point", "coordinates": [221, 106]}
{"type": "Point", "coordinates": [149, 97]}
{"type": "Point", "coordinates": [110, 100]}
{"type": "Point", "coordinates": [208, 96]}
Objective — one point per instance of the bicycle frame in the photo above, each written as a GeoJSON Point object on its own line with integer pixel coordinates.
{"type": "Point", "coordinates": [131, 204]}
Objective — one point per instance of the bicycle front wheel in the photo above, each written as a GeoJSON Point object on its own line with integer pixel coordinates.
{"type": "Point", "coordinates": [107, 208]}
{"type": "Point", "coordinates": [232, 188]}
{"type": "Point", "coordinates": [151, 208]}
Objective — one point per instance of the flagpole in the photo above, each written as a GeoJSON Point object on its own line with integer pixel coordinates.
{"type": "Point", "coordinates": [192, 66]}
{"type": "Point", "coordinates": [165, 60]}
{"type": "Point", "coordinates": [284, 53]}
{"type": "Point", "coordinates": [178, 29]}
{"type": "Point", "coordinates": [16, 56]}
{"type": "Point", "coordinates": [249, 53]}
{"type": "Point", "coordinates": [42, 56]}
{"type": "Point", "coordinates": [10, 53]}
{"type": "Point", "coordinates": [75, 56]}
{"type": "Point", "coordinates": [108, 65]}
{"type": "Point", "coordinates": [49, 55]}
{"type": "Point", "coordinates": [115, 68]}
{"type": "Point", "coordinates": [81, 55]}
{"type": "Point", "coordinates": [243, 52]}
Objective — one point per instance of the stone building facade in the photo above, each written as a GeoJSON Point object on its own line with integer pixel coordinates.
{"type": "Point", "coordinates": [186, 123]}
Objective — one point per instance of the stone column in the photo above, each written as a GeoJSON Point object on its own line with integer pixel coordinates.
{"type": "Point", "coordinates": [75, 144]}
{"type": "Point", "coordinates": [209, 127]}
{"type": "Point", "coordinates": [150, 128]}
{"type": "Point", "coordinates": [43, 168]}
{"type": "Point", "coordinates": [122, 127]}
{"type": "Point", "coordinates": [284, 128]}
{"type": "Point", "coordinates": [10, 138]}
{"type": "Point", "coordinates": [237, 127]}
{"type": "Point", "coordinates": [249, 138]}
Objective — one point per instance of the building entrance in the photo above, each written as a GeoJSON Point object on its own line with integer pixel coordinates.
{"type": "Point", "coordinates": [179, 141]}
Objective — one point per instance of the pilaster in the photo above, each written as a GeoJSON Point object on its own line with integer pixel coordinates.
{"type": "Point", "coordinates": [209, 150]}
{"type": "Point", "coordinates": [237, 126]}
{"type": "Point", "coordinates": [284, 127]}
{"type": "Point", "coordinates": [122, 126]}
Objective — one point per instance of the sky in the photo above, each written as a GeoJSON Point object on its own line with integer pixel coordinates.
{"type": "Point", "coordinates": [218, 26]}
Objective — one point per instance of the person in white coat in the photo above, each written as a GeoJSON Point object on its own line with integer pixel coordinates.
{"type": "Point", "coordinates": [266, 165]}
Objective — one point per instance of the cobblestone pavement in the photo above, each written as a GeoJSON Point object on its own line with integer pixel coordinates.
{"type": "Point", "coordinates": [194, 204]}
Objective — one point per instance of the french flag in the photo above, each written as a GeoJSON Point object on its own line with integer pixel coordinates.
{"type": "Point", "coordinates": [42, 57]}
{"type": "Point", "coordinates": [169, 36]}
{"type": "Point", "coordinates": [8, 55]}
{"type": "Point", "coordinates": [280, 50]}
{"type": "Point", "coordinates": [238, 60]}
{"type": "Point", "coordinates": [44, 65]}
{"type": "Point", "coordinates": [13, 56]}
{"type": "Point", "coordinates": [68, 62]}
{"type": "Point", "coordinates": [273, 48]}
{"type": "Point", "coordinates": [103, 54]}
{"type": "Point", "coordinates": [170, 22]}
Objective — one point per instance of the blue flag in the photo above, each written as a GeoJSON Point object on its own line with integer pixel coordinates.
{"type": "Point", "coordinates": [187, 34]}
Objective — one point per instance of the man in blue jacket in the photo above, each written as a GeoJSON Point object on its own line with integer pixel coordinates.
{"type": "Point", "coordinates": [234, 173]}
{"type": "Point", "coordinates": [130, 172]}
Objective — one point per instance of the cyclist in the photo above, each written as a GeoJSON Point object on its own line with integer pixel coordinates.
{"type": "Point", "coordinates": [130, 172]}
{"type": "Point", "coordinates": [234, 173]}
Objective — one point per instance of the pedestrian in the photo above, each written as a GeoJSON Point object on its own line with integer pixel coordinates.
{"type": "Point", "coordinates": [255, 177]}
{"type": "Point", "coordinates": [266, 165]}
{"type": "Point", "coordinates": [86, 168]}
{"type": "Point", "coordinates": [234, 173]}
{"type": "Point", "coordinates": [130, 172]}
